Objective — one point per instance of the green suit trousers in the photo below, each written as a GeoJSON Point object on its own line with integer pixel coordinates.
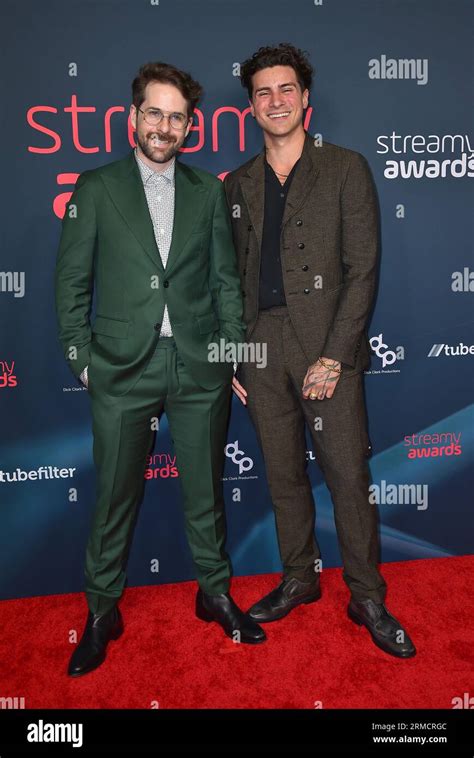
{"type": "Point", "coordinates": [123, 432]}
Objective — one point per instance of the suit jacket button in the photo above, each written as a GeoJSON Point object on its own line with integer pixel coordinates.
{"type": "Point", "coordinates": [243, 293]}
{"type": "Point", "coordinates": [157, 327]}
{"type": "Point", "coordinates": [306, 291]}
{"type": "Point", "coordinates": [166, 283]}
{"type": "Point", "coordinates": [247, 251]}
{"type": "Point", "coordinates": [299, 222]}
{"type": "Point", "coordinates": [244, 271]}
{"type": "Point", "coordinates": [301, 245]}
{"type": "Point", "coordinates": [304, 268]}
{"type": "Point", "coordinates": [249, 227]}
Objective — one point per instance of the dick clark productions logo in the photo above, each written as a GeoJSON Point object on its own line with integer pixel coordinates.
{"type": "Point", "coordinates": [238, 457]}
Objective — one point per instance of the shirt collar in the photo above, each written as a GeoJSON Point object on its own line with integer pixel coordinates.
{"type": "Point", "coordinates": [270, 173]}
{"type": "Point", "coordinates": [147, 173]}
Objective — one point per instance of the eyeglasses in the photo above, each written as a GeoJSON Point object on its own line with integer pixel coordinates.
{"type": "Point", "coordinates": [154, 117]}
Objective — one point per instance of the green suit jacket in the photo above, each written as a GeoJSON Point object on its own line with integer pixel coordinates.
{"type": "Point", "coordinates": [108, 248]}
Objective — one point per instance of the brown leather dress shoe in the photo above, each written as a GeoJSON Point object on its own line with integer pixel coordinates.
{"type": "Point", "coordinates": [387, 633]}
{"type": "Point", "coordinates": [280, 601]}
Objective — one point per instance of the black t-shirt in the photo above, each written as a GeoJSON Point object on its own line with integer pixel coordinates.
{"type": "Point", "coordinates": [271, 291]}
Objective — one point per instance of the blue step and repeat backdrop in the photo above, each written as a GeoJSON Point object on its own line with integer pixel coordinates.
{"type": "Point", "coordinates": [393, 81]}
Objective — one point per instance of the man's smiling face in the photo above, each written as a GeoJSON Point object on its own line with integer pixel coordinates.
{"type": "Point", "coordinates": [277, 100]}
{"type": "Point", "coordinates": [162, 142]}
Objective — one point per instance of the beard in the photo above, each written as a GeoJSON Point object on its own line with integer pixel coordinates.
{"type": "Point", "coordinates": [159, 155]}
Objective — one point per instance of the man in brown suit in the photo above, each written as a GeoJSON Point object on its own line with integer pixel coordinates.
{"type": "Point", "coordinates": [305, 227]}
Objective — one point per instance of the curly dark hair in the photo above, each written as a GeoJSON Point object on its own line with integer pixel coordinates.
{"type": "Point", "coordinates": [167, 74]}
{"type": "Point", "coordinates": [283, 54]}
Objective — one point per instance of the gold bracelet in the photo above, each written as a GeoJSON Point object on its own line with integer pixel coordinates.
{"type": "Point", "coordinates": [337, 370]}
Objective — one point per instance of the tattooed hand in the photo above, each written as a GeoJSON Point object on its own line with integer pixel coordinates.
{"type": "Point", "coordinates": [320, 381]}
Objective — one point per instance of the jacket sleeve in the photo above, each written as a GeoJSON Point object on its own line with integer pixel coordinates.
{"type": "Point", "coordinates": [359, 251]}
{"type": "Point", "coordinates": [224, 276]}
{"type": "Point", "coordinates": [74, 276]}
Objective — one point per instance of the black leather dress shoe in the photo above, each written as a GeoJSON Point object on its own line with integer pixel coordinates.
{"type": "Point", "coordinates": [99, 630]}
{"type": "Point", "coordinates": [280, 601]}
{"type": "Point", "coordinates": [387, 633]}
{"type": "Point", "coordinates": [235, 623]}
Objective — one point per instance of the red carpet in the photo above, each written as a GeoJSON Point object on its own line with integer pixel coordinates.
{"type": "Point", "coordinates": [315, 654]}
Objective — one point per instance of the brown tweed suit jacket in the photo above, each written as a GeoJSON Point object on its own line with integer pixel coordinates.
{"type": "Point", "coordinates": [329, 230]}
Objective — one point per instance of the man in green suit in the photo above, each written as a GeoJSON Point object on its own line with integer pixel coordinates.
{"type": "Point", "coordinates": [152, 237]}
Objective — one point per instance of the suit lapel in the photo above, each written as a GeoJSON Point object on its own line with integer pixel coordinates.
{"type": "Point", "coordinates": [190, 198]}
{"type": "Point", "coordinates": [253, 190]}
{"type": "Point", "coordinates": [126, 190]}
{"type": "Point", "coordinates": [303, 180]}
{"type": "Point", "coordinates": [253, 187]}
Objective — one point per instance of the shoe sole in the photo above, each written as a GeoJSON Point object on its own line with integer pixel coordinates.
{"type": "Point", "coordinates": [308, 601]}
{"type": "Point", "coordinates": [353, 617]}
{"type": "Point", "coordinates": [203, 615]}
{"type": "Point", "coordinates": [114, 636]}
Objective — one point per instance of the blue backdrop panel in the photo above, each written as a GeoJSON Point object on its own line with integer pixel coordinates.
{"type": "Point", "coordinates": [66, 100]}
